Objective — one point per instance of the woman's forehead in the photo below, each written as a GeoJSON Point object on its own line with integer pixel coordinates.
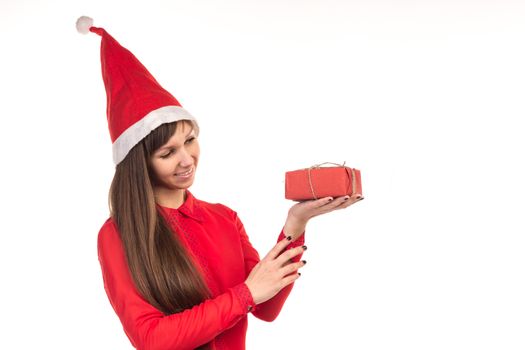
{"type": "Point", "coordinates": [183, 129]}
{"type": "Point", "coordinates": [182, 124]}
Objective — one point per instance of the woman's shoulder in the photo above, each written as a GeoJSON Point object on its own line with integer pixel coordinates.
{"type": "Point", "coordinates": [108, 225]}
{"type": "Point", "coordinates": [108, 231]}
{"type": "Point", "coordinates": [215, 208]}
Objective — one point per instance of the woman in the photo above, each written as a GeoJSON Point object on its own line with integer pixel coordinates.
{"type": "Point", "coordinates": [196, 268]}
{"type": "Point", "coordinates": [180, 272]}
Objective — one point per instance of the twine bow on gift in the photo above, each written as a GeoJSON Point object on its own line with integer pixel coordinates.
{"type": "Point", "coordinates": [349, 171]}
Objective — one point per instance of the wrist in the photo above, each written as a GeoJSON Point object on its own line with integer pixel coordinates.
{"type": "Point", "coordinates": [294, 227]}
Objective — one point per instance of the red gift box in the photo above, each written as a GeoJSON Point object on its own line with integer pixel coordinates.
{"type": "Point", "coordinates": [318, 182]}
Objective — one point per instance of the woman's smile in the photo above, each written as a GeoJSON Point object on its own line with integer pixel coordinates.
{"type": "Point", "coordinates": [185, 174]}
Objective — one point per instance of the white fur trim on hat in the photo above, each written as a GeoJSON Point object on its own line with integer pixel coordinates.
{"type": "Point", "coordinates": [135, 133]}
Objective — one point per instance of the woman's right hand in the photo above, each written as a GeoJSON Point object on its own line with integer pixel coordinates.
{"type": "Point", "coordinates": [274, 272]}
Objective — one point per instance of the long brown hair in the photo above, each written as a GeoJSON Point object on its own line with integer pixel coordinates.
{"type": "Point", "coordinates": [159, 264]}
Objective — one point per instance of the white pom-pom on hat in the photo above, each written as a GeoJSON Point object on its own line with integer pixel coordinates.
{"type": "Point", "coordinates": [84, 23]}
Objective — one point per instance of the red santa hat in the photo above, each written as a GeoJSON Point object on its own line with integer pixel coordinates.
{"type": "Point", "coordinates": [136, 103]}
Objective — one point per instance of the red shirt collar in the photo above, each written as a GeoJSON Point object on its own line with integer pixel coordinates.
{"type": "Point", "coordinates": [190, 208]}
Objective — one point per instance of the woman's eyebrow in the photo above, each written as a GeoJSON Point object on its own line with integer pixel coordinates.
{"type": "Point", "coordinates": [168, 146]}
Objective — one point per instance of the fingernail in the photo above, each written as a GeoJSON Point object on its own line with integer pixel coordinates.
{"type": "Point", "coordinates": [289, 238]}
{"type": "Point", "coordinates": [304, 247]}
{"type": "Point", "coordinates": [330, 199]}
{"type": "Point", "coordinates": [304, 261]}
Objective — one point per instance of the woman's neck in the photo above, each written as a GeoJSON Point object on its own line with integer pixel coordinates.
{"type": "Point", "coordinates": [169, 198]}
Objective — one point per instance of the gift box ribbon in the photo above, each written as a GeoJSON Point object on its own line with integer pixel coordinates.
{"type": "Point", "coordinates": [349, 171]}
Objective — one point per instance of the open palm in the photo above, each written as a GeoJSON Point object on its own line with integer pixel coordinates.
{"type": "Point", "coordinates": [304, 211]}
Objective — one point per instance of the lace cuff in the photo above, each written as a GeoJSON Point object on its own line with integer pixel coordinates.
{"type": "Point", "coordinates": [245, 297]}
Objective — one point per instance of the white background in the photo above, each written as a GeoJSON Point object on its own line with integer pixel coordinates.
{"type": "Point", "coordinates": [425, 97]}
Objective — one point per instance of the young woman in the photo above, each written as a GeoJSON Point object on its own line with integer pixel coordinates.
{"type": "Point", "coordinates": [180, 272]}
{"type": "Point", "coordinates": [193, 274]}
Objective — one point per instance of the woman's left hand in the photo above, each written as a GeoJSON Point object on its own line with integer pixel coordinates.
{"type": "Point", "coordinates": [300, 213]}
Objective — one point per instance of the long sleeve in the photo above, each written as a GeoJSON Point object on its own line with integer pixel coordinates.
{"type": "Point", "coordinates": [147, 327]}
{"type": "Point", "coordinates": [270, 309]}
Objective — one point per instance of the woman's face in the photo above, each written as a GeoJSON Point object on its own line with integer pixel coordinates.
{"type": "Point", "coordinates": [175, 162]}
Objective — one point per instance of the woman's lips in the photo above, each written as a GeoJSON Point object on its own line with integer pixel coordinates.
{"type": "Point", "coordinates": [185, 174]}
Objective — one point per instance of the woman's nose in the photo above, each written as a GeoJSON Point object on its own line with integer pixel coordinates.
{"type": "Point", "coordinates": [186, 158]}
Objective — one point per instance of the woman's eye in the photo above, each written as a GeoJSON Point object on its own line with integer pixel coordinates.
{"type": "Point", "coordinates": [170, 152]}
{"type": "Point", "coordinates": [166, 155]}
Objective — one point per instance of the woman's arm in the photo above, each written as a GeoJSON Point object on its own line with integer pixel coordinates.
{"type": "Point", "coordinates": [298, 216]}
{"type": "Point", "coordinates": [147, 327]}
{"type": "Point", "coordinates": [270, 309]}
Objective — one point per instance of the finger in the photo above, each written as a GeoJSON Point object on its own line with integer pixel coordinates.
{"type": "Point", "coordinates": [288, 262]}
{"type": "Point", "coordinates": [321, 202]}
{"type": "Point", "coordinates": [278, 248]}
{"type": "Point", "coordinates": [345, 204]}
{"type": "Point", "coordinates": [353, 199]}
{"type": "Point", "coordinates": [317, 203]}
{"type": "Point", "coordinates": [349, 202]}
{"type": "Point", "coordinates": [289, 279]}
{"type": "Point", "coordinates": [289, 254]}
{"type": "Point", "coordinates": [336, 202]}
{"type": "Point", "coordinates": [330, 206]}
{"type": "Point", "coordinates": [357, 197]}
{"type": "Point", "coordinates": [290, 268]}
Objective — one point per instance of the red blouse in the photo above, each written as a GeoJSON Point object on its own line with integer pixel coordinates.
{"type": "Point", "coordinates": [216, 240]}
